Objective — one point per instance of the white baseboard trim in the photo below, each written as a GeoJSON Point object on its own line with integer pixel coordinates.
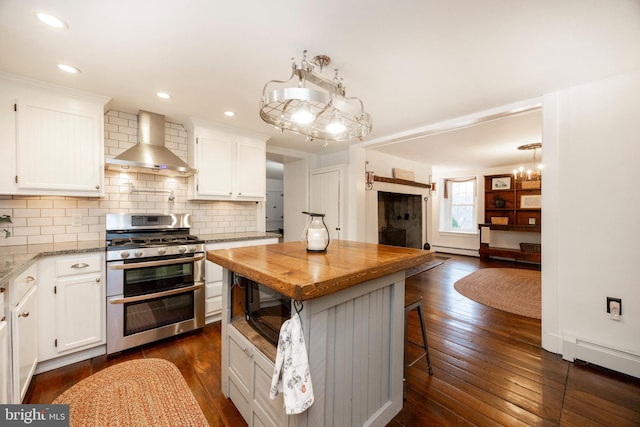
{"type": "Point", "coordinates": [552, 342]}
{"type": "Point", "coordinates": [610, 358]}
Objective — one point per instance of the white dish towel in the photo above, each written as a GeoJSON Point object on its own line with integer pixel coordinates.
{"type": "Point", "coordinates": [291, 374]}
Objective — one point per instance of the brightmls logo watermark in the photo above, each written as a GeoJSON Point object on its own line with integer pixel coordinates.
{"type": "Point", "coordinates": [34, 415]}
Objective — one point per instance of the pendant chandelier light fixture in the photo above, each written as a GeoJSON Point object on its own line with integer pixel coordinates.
{"type": "Point", "coordinates": [534, 171]}
{"type": "Point", "coordinates": [313, 105]}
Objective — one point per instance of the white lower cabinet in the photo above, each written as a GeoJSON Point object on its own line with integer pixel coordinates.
{"type": "Point", "coordinates": [22, 317]}
{"type": "Point", "coordinates": [213, 276]}
{"type": "Point", "coordinates": [266, 412]}
{"type": "Point", "coordinates": [5, 362]}
{"type": "Point", "coordinates": [240, 368]}
{"type": "Point", "coordinates": [72, 305]}
{"type": "Point", "coordinates": [250, 382]}
{"type": "Point", "coordinates": [24, 342]}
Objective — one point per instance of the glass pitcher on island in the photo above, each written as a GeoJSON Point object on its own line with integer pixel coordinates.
{"type": "Point", "coordinates": [316, 234]}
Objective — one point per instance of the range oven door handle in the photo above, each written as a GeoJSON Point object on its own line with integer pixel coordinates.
{"type": "Point", "coordinates": [158, 263]}
{"type": "Point", "coordinates": [162, 294]}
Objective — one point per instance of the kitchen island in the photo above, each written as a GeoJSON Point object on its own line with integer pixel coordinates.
{"type": "Point", "coordinates": [352, 314]}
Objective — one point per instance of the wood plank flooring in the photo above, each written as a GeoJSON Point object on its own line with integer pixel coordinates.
{"type": "Point", "coordinates": [489, 368]}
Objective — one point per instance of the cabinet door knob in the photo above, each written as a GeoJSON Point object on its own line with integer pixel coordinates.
{"type": "Point", "coordinates": [30, 279]}
{"type": "Point", "coordinates": [97, 187]}
{"type": "Point", "coordinates": [25, 314]}
{"type": "Point", "coordinates": [97, 279]}
{"type": "Point", "coordinates": [2, 290]}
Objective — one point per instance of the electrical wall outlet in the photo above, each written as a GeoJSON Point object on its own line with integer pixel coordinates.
{"type": "Point", "coordinates": [76, 220]}
{"type": "Point", "coordinates": [614, 308]}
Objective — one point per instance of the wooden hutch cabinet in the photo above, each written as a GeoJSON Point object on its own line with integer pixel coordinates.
{"type": "Point", "coordinates": [510, 205]}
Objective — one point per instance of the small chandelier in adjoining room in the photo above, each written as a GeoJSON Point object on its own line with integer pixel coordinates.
{"type": "Point", "coordinates": [320, 111]}
{"type": "Point", "coordinates": [532, 172]}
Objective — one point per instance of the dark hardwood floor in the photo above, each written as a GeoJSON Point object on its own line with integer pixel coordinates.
{"type": "Point", "coordinates": [489, 368]}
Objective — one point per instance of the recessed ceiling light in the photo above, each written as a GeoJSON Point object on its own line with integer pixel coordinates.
{"type": "Point", "coordinates": [68, 68]}
{"type": "Point", "coordinates": [51, 20]}
{"type": "Point", "coordinates": [229, 113]}
{"type": "Point", "coordinates": [163, 95]}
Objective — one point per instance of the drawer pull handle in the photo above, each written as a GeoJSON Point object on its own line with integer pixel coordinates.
{"type": "Point", "coordinates": [30, 279]}
{"type": "Point", "coordinates": [25, 314]}
{"type": "Point", "coordinates": [80, 265]}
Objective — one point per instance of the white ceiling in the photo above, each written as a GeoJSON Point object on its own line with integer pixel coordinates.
{"type": "Point", "coordinates": [414, 63]}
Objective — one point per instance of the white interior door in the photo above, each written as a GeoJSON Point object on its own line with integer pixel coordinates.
{"type": "Point", "coordinates": [325, 197]}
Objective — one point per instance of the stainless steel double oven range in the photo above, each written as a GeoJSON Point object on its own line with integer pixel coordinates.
{"type": "Point", "coordinates": [155, 279]}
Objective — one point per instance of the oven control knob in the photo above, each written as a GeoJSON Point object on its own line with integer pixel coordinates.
{"type": "Point", "coordinates": [124, 254]}
{"type": "Point", "coordinates": [162, 251]}
{"type": "Point", "coordinates": [182, 249]}
{"type": "Point", "coordinates": [139, 253]}
{"type": "Point", "coordinates": [192, 248]}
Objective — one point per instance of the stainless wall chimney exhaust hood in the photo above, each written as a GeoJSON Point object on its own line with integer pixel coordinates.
{"type": "Point", "coordinates": [150, 155]}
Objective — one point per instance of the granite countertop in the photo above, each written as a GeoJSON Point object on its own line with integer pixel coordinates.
{"type": "Point", "coordinates": [289, 269]}
{"type": "Point", "coordinates": [15, 259]}
{"type": "Point", "coordinates": [232, 237]}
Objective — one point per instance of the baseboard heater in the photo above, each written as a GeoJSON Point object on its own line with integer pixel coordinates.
{"type": "Point", "coordinates": [597, 354]}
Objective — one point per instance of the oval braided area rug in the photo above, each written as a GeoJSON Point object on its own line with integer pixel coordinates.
{"type": "Point", "coordinates": [141, 392]}
{"type": "Point", "coordinates": [514, 290]}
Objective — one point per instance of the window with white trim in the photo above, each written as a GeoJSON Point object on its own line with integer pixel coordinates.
{"type": "Point", "coordinates": [459, 206]}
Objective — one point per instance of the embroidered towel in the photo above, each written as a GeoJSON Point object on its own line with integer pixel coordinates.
{"type": "Point", "coordinates": [291, 374]}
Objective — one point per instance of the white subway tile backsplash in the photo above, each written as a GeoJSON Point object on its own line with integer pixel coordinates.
{"type": "Point", "coordinates": [127, 130]}
{"type": "Point", "coordinates": [26, 213]}
{"type": "Point", "coordinates": [39, 204]}
{"type": "Point", "coordinates": [131, 117]}
{"type": "Point", "coordinates": [56, 229]}
{"type": "Point", "coordinates": [38, 222]}
{"type": "Point", "coordinates": [65, 204]}
{"type": "Point", "coordinates": [61, 238]}
{"type": "Point", "coordinates": [47, 219]}
{"type": "Point", "coordinates": [85, 237]}
{"type": "Point", "coordinates": [52, 213]}
{"type": "Point", "coordinates": [119, 136]}
{"type": "Point", "coordinates": [41, 238]}
{"type": "Point", "coordinates": [109, 127]}
{"type": "Point", "coordinates": [25, 231]}
{"type": "Point", "coordinates": [118, 121]}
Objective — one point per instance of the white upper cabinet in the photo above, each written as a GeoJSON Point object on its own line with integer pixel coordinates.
{"type": "Point", "coordinates": [231, 163]}
{"type": "Point", "coordinates": [54, 139]}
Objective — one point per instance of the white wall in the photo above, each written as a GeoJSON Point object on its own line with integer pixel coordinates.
{"type": "Point", "coordinates": [590, 222]}
{"type": "Point", "coordinates": [296, 200]}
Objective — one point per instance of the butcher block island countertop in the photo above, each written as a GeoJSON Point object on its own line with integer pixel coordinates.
{"type": "Point", "coordinates": [289, 269]}
{"type": "Point", "coordinates": [350, 302]}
